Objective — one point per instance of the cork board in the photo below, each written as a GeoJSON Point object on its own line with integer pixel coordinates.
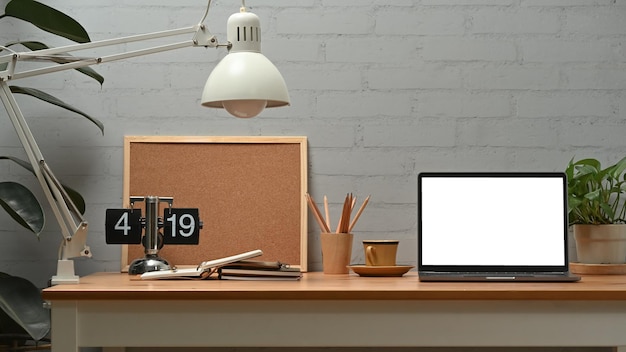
{"type": "Point", "coordinates": [249, 192]}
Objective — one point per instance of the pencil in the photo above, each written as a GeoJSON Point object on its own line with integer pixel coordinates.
{"type": "Point", "coordinates": [358, 213]}
{"type": "Point", "coordinates": [327, 213]}
{"type": "Point", "coordinates": [316, 213]}
{"type": "Point", "coordinates": [349, 207]}
{"type": "Point", "coordinates": [341, 217]}
{"type": "Point", "coordinates": [344, 221]}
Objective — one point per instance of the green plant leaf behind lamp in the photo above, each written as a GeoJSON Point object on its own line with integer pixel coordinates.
{"type": "Point", "coordinates": [245, 82]}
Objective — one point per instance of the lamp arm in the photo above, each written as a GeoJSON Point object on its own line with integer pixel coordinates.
{"type": "Point", "coordinates": [69, 218]}
{"type": "Point", "coordinates": [202, 37]}
{"type": "Point", "coordinates": [73, 226]}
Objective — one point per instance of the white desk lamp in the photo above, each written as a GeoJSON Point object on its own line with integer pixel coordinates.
{"type": "Point", "coordinates": [244, 83]}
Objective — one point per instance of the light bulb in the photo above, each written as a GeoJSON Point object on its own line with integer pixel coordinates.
{"type": "Point", "coordinates": [244, 108]}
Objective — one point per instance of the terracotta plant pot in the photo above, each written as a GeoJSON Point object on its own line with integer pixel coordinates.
{"type": "Point", "coordinates": [600, 244]}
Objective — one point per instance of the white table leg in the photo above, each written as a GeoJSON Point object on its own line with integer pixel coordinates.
{"type": "Point", "coordinates": [64, 327]}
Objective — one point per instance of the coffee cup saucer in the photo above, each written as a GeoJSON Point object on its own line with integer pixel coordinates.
{"type": "Point", "coordinates": [382, 270]}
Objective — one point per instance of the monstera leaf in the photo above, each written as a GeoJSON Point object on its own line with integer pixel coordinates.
{"type": "Point", "coordinates": [47, 19]}
{"type": "Point", "coordinates": [36, 93]}
{"type": "Point", "coordinates": [20, 203]}
{"type": "Point", "coordinates": [21, 301]}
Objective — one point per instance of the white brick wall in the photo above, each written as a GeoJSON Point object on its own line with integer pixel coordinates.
{"type": "Point", "coordinates": [383, 90]}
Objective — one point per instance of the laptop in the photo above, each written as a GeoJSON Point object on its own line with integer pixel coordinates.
{"type": "Point", "coordinates": [492, 226]}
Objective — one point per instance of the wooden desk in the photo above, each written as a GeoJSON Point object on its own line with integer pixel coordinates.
{"type": "Point", "coordinates": [110, 310]}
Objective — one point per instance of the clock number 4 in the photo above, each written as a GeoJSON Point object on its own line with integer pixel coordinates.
{"type": "Point", "coordinates": [123, 226]}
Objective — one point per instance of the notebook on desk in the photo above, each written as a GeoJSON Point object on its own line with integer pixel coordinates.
{"type": "Point", "coordinates": [505, 226]}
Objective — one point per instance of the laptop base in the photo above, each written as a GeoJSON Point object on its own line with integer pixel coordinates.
{"type": "Point", "coordinates": [499, 277]}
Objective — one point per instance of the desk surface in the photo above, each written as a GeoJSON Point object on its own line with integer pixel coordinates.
{"type": "Point", "coordinates": [317, 286]}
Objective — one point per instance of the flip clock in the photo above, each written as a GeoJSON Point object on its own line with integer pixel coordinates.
{"type": "Point", "coordinates": [176, 226]}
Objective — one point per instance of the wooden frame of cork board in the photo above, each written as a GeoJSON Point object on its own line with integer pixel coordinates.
{"type": "Point", "coordinates": [249, 192]}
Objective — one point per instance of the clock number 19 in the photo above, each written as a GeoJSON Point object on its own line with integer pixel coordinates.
{"type": "Point", "coordinates": [186, 224]}
{"type": "Point", "coordinates": [181, 226]}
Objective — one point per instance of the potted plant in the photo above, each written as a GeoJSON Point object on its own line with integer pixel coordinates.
{"type": "Point", "coordinates": [22, 315]}
{"type": "Point", "coordinates": [597, 211]}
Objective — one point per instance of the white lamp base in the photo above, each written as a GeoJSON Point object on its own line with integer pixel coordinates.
{"type": "Point", "coordinates": [65, 273]}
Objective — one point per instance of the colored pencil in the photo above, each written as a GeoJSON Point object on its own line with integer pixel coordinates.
{"type": "Point", "coordinates": [316, 213]}
{"type": "Point", "coordinates": [358, 213]}
{"type": "Point", "coordinates": [327, 212]}
{"type": "Point", "coordinates": [344, 221]}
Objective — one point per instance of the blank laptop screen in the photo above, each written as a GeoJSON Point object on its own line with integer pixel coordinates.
{"type": "Point", "coordinates": [492, 220]}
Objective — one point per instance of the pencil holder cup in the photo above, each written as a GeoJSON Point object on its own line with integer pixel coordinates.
{"type": "Point", "coordinates": [336, 252]}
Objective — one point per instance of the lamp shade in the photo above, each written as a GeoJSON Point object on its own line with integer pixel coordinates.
{"type": "Point", "coordinates": [245, 81]}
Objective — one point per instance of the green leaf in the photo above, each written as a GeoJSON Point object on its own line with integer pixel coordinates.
{"type": "Point", "coordinates": [76, 197]}
{"type": "Point", "coordinates": [573, 203]}
{"type": "Point", "coordinates": [608, 211]}
{"type": "Point", "coordinates": [618, 168]}
{"type": "Point", "coordinates": [47, 19]}
{"type": "Point", "coordinates": [36, 93]}
{"type": "Point", "coordinates": [584, 169]}
{"type": "Point", "coordinates": [589, 162]}
{"type": "Point", "coordinates": [593, 195]}
{"type": "Point", "coordinates": [22, 302]}
{"type": "Point", "coordinates": [21, 204]}
{"type": "Point", "coordinates": [90, 72]}
{"type": "Point", "coordinates": [569, 170]}
{"type": "Point", "coordinates": [23, 163]}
